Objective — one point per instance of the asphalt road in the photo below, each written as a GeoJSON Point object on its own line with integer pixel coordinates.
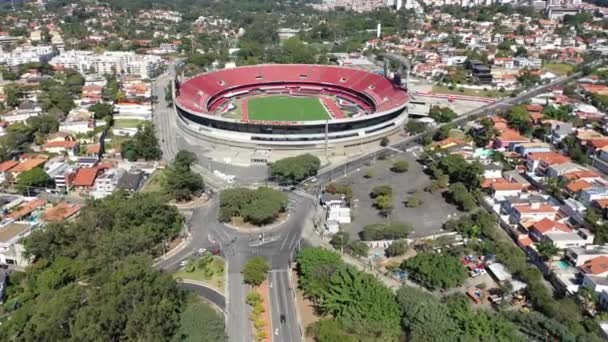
{"type": "Point", "coordinates": [341, 170]}
{"type": "Point", "coordinates": [209, 294]}
{"type": "Point", "coordinates": [278, 245]}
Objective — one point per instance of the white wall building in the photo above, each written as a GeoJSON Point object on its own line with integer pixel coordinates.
{"type": "Point", "coordinates": [110, 62]}
{"type": "Point", "coordinates": [27, 54]}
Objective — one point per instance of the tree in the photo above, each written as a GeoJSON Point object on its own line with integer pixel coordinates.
{"type": "Point", "coordinates": [101, 110]}
{"type": "Point", "coordinates": [382, 231]}
{"type": "Point", "coordinates": [328, 329]}
{"type": "Point", "coordinates": [436, 270]}
{"type": "Point", "coordinates": [460, 196]}
{"type": "Point", "coordinates": [259, 207]}
{"type": "Point", "coordinates": [381, 190]}
{"type": "Point", "coordinates": [295, 169]}
{"type": "Point", "coordinates": [519, 118]}
{"type": "Point", "coordinates": [547, 249]}
{"type": "Point", "coordinates": [43, 124]}
{"type": "Point", "coordinates": [315, 267]}
{"type": "Point", "coordinates": [14, 93]}
{"type": "Point", "coordinates": [415, 127]}
{"type": "Point", "coordinates": [255, 271]}
{"type": "Point", "coordinates": [384, 203]}
{"type": "Point", "coordinates": [459, 170]}
{"type": "Point", "coordinates": [34, 178]}
{"type": "Point", "coordinates": [143, 145]}
{"type": "Point", "coordinates": [400, 166]}
{"type": "Point", "coordinates": [199, 322]}
{"type": "Point", "coordinates": [442, 114]}
{"type": "Point", "coordinates": [412, 202]}
{"type": "Point", "coordinates": [397, 248]}
{"type": "Point", "coordinates": [358, 248]}
{"type": "Point", "coordinates": [181, 183]}
{"type": "Point", "coordinates": [370, 308]}
{"type": "Point", "coordinates": [424, 317]}
{"type": "Point", "coordinates": [340, 240]}
{"type": "Point", "coordinates": [485, 134]}
{"type": "Point", "coordinates": [93, 277]}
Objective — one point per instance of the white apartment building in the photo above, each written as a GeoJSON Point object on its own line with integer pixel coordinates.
{"type": "Point", "coordinates": [110, 62]}
{"type": "Point", "coordinates": [27, 54]}
{"type": "Point", "coordinates": [106, 184]}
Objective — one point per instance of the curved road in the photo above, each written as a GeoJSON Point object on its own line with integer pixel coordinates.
{"type": "Point", "coordinates": [207, 293]}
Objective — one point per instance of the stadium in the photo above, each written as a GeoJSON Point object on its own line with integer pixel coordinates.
{"type": "Point", "coordinates": [291, 107]}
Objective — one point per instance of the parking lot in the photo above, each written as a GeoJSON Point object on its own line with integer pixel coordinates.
{"type": "Point", "coordinates": [426, 219]}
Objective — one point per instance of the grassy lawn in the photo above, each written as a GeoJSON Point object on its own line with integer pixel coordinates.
{"type": "Point", "coordinates": [213, 273]}
{"type": "Point", "coordinates": [154, 183]}
{"type": "Point", "coordinates": [559, 69]}
{"type": "Point", "coordinates": [286, 108]}
{"type": "Point", "coordinates": [468, 92]}
{"type": "Point", "coordinates": [127, 123]}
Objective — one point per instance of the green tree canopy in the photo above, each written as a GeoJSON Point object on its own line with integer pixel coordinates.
{"type": "Point", "coordinates": [180, 182]}
{"type": "Point", "coordinates": [259, 207]}
{"type": "Point", "coordinates": [295, 169]}
{"type": "Point", "coordinates": [255, 270]}
{"type": "Point", "coordinates": [28, 181]}
{"type": "Point", "coordinates": [93, 276]}
{"type": "Point", "coordinates": [385, 231]}
{"type": "Point", "coordinates": [434, 270]}
{"type": "Point", "coordinates": [101, 110]}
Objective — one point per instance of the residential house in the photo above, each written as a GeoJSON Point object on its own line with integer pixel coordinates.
{"type": "Point", "coordinates": [529, 147]}
{"type": "Point", "coordinates": [579, 255]}
{"type": "Point", "coordinates": [532, 212]}
{"type": "Point", "coordinates": [502, 190]}
{"type": "Point", "coordinates": [539, 162]}
{"type": "Point", "coordinates": [61, 212]}
{"type": "Point", "coordinates": [5, 168]}
{"type": "Point", "coordinates": [597, 192]}
{"type": "Point", "coordinates": [107, 183]}
{"type": "Point", "coordinates": [11, 248]}
{"type": "Point", "coordinates": [84, 180]}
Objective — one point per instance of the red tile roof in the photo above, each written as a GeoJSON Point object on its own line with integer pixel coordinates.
{"type": "Point", "coordinates": [85, 176]}
{"type": "Point", "coordinates": [546, 225]}
{"type": "Point", "coordinates": [508, 134]}
{"type": "Point", "coordinates": [550, 158]}
{"type": "Point", "coordinates": [597, 265]}
{"type": "Point", "coordinates": [28, 208]}
{"type": "Point", "coordinates": [60, 212]}
{"type": "Point", "coordinates": [578, 185]}
{"type": "Point", "coordinates": [581, 174]}
{"type": "Point", "coordinates": [63, 143]}
{"type": "Point", "coordinates": [7, 165]}
{"type": "Point", "coordinates": [506, 186]}
{"type": "Point", "coordinates": [29, 164]}
{"type": "Point", "coordinates": [542, 208]}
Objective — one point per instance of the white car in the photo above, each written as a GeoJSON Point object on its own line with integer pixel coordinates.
{"type": "Point", "coordinates": [201, 251]}
{"type": "Point", "coordinates": [183, 263]}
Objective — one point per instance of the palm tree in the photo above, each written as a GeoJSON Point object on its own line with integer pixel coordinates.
{"type": "Point", "coordinates": [547, 250]}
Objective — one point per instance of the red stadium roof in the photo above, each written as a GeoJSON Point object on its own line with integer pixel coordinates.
{"type": "Point", "coordinates": [376, 93]}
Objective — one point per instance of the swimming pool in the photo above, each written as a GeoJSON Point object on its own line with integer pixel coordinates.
{"type": "Point", "coordinates": [562, 265]}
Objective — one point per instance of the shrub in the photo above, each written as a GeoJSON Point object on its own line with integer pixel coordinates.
{"type": "Point", "coordinates": [400, 166]}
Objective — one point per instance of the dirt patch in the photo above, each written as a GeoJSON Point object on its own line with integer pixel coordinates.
{"type": "Point", "coordinates": [306, 309]}
{"type": "Point", "coordinates": [174, 243]}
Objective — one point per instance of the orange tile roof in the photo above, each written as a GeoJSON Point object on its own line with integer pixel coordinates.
{"type": "Point", "coordinates": [581, 174]}
{"type": "Point", "coordinates": [597, 265]}
{"type": "Point", "coordinates": [28, 164]}
{"type": "Point", "coordinates": [546, 225]}
{"type": "Point", "coordinates": [26, 209]}
{"type": "Point", "coordinates": [449, 141]}
{"type": "Point", "coordinates": [93, 149]}
{"type": "Point", "coordinates": [488, 182]}
{"type": "Point", "coordinates": [500, 186]}
{"type": "Point", "coordinates": [7, 165]}
{"type": "Point", "coordinates": [524, 240]}
{"type": "Point", "coordinates": [85, 176]}
{"type": "Point", "coordinates": [536, 116]}
{"type": "Point", "coordinates": [542, 208]}
{"type": "Point", "coordinates": [62, 143]}
{"type": "Point", "coordinates": [601, 203]}
{"type": "Point", "coordinates": [599, 143]}
{"type": "Point", "coordinates": [578, 185]}
{"type": "Point", "coordinates": [534, 108]}
{"type": "Point", "coordinates": [508, 134]}
{"type": "Point", "coordinates": [550, 158]}
{"type": "Point", "coordinates": [60, 212]}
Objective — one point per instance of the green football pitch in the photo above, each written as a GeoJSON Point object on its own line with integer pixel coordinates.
{"type": "Point", "coordinates": [286, 108]}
